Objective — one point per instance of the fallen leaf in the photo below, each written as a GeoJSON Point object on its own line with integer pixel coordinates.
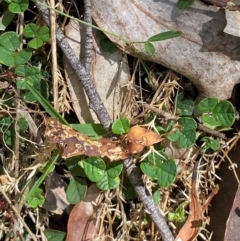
{"type": "Point", "coordinates": [191, 228]}
{"type": "Point", "coordinates": [138, 137]}
{"type": "Point", "coordinates": [82, 222]}
{"type": "Point", "coordinates": [73, 143]}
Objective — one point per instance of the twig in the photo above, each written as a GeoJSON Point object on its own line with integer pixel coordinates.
{"type": "Point", "coordinates": [96, 104]}
{"type": "Point", "coordinates": [88, 32]}
{"type": "Point", "coordinates": [82, 72]}
{"type": "Point", "coordinates": [210, 131]}
{"type": "Point", "coordinates": [54, 55]}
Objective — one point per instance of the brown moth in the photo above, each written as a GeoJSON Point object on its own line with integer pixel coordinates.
{"type": "Point", "coordinates": [73, 143]}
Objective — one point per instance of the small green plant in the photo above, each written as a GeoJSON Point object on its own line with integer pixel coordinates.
{"type": "Point", "coordinates": [39, 35]}
{"type": "Point", "coordinates": [178, 215]}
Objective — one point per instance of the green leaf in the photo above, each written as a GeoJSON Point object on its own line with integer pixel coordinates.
{"type": "Point", "coordinates": [187, 138]}
{"type": "Point", "coordinates": [76, 190]}
{"type": "Point", "coordinates": [18, 6]}
{"type": "Point", "coordinates": [10, 41]}
{"type": "Point", "coordinates": [150, 49]}
{"type": "Point", "coordinates": [224, 113]}
{"type": "Point", "coordinates": [107, 183]}
{"type": "Point", "coordinates": [207, 105]}
{"type": "Point", "coordinates": [35, 43]}
{"type": "Point", "coordinates": [23, 56]}
{"type": "Point", "coordinates": [120, 126]}
{"type": "Point", "coordinates": [188, 123]}
{"type": "Point", "coordinates": [30, 30]}
{"type": "Point", "coordinates": [36, 199]}
{"type": "Point", "coordinates": [114, 169]}
{"type": "Point", "coordinates": [166, 173]}
{"type": "Point", "coordinates": [91, 129]}
{"type": "Point", "coordinates": [54, 235]}
{"type": "Point", "coordinates": [160, 168]}
{"type": "Point", "coordinates": [43, 34]}
{"type": "Point", "coordinates": [108, 46]}
{"type": "Point", "coordinates": [6, 19]}
{"type": "Point", "coordinates": [183, 4]}
{"type": "Point", "coordinates": [185, 105]}
{"type": "Point", "coordinates": [164, 36]}
{"type": "Point", "coordinates": [74, 168]}
{"type": "Point", "coordinates": [178, 215]}
{"type": "Point", "coordinates": [9, 136]}
{"type": "Point", "coordinates": [209, 121]}
{"type": "Point", "coordinates": [128, 191]}
{"type": "Point", "coordinates": [149, 169]}
{"type": "Point", "coordinates": [94, 168]}
{"type": "Point", "coordinates": [156, 196]}
{"type": "Point", "coordinates": [210, 143]}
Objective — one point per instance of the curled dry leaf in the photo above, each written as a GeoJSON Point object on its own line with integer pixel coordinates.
{"type": "Point", "coordinates": [73, 143]}
{"type": "Point", "coordinates": [191, 228]}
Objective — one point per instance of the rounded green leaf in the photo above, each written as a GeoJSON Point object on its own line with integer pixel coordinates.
{"type": "Point", "coordinates": [224, 113]}
{"type": "Point", "coordinates": [164, 36]}
{"type": "Point", "coordinates": [18, 6]}
{"type": "Point", "coordinates": [6, 57]}
{"type": "Point", "coordinates": [207, 105]}
{"type": "Point", "coordinates": [31, 74]}
{"type": "Point", "coordinates": [30, 30]}
{"type": "Point", "coordinates": [121, 126]}
{"type": "Point", "coordinates": [94, 168]}
{"type": "Point", "coordinates": [185, 105]}
{"type": "Point", "coordinates": [9, 41]}
{"type": "Point", "coordinates": [150, 49]}
{"type": "Point", "coordinates": [209, 121]}
{"type": "Point", "coordinates": [35, 43]}
{"type": "Point", "coordinates": [23, 56]}
{"type": "Point", "coordinates": [166, 173]}
{"type": "Point", "coordinates": [148, 169]}
{"type": "Point", "coordinates": [183, 4]}
{"type": "Point", "coordinates": [188, 123]}
{"type": "Point", "coordinates": [114, 169]}
{"type": "Point", "coordinates": [174, 136]}
{"type": "Point", "coordinates": [187, 138]}
{"type": "Point", "coordinates": [43, 34]}
{"type": "Point", "coordinates": [107, 182]}
{"type": "Point", "coordinates": [76, 190]}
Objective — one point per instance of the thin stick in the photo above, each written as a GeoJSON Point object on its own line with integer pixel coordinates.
{"type": "Point", "coordinates": [54, 54]}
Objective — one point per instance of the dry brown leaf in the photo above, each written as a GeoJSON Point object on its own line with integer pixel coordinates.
{"type": "Point", "coordinates": [138, 137]}
{"type": "Point", "coordinates": [73, 143]}
{"type": "Point", "coordinates": [81, 223]}
{"type": "Point", "coordinates": [191, 228]}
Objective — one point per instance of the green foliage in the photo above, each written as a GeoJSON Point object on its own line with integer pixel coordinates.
{"type": "Point", "coordinates": [40, 35]}
{"type": "Point", "coordinates": [6, 19]}
{"type": "Point", "coordinates": [186, 136]}
{"type": "Point", "coordinates": [121, 126]}
{"type": "Point", "coordinates": [216, 113]}
{"type": "Point", "coordinates": [54, 235]}
{"type": "Point", "coordinates": [106, 44]}
{"type": "Point", "coordinates": [18, 6]}
{"type": "Point", "coordinates": [76, 190]}
{"type": "Point", "coordinates": [9, 43]}
{"type": "Point", "coordinates": [150, 49]}
{"type": "Point", "coordinates": [179, 214]}
{"type": "Point", "coordinates": [184, 105]}
{"type": "Point", "coordinates": [36, 199]}
{"type": "Point", "coordinates": [210, 143]}
{"type": "Point", "coordinates": [184, 4]}
{"type": "Point", "coordinates": [159, 167]}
